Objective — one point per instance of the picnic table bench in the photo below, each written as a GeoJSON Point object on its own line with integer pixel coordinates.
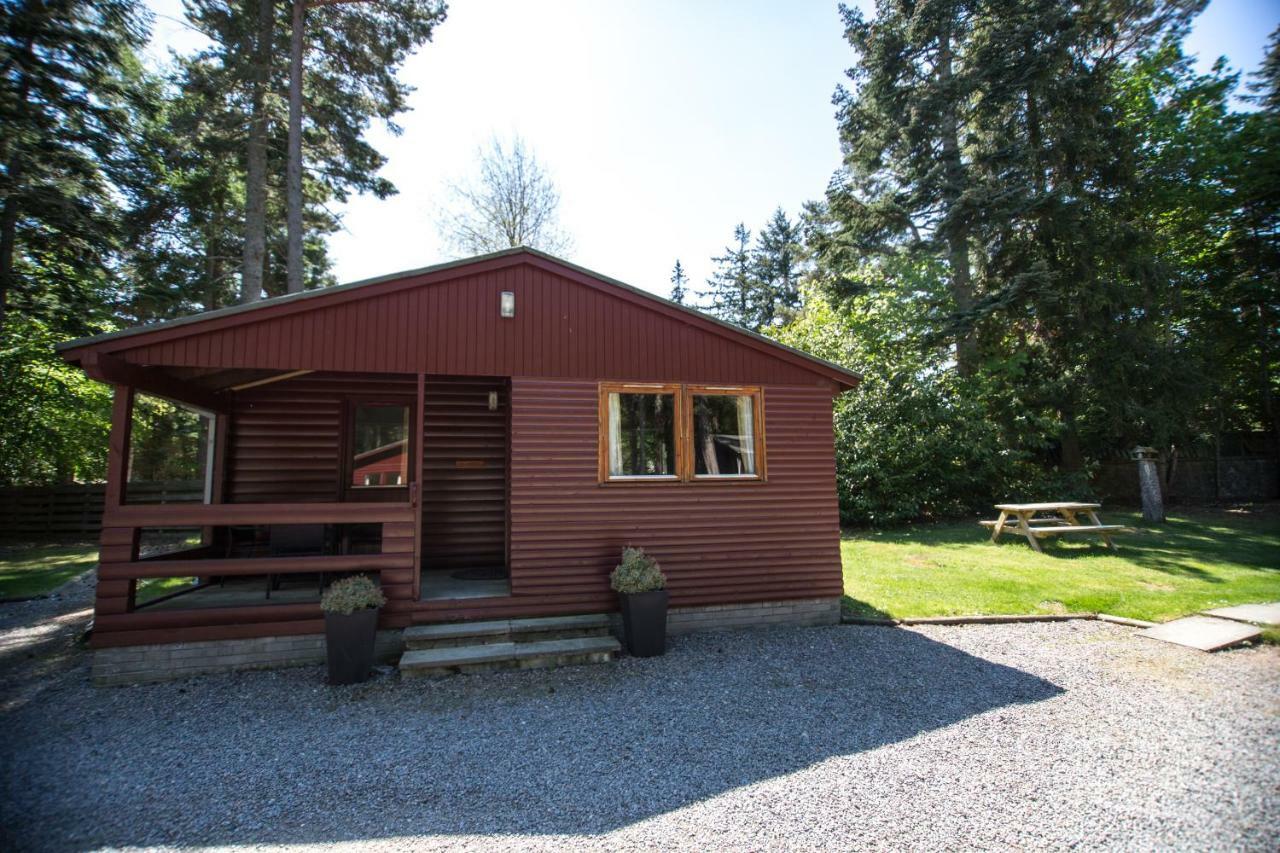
{"type": "Point", "coordinates": [1021, 518]}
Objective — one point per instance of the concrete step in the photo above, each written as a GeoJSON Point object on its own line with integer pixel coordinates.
{"type": "Point", "coordinates": [484, 657]}
{"type": "Point", "coordinates": [505, 630]}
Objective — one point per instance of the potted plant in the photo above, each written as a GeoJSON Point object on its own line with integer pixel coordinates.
{"type": "Point", "coordinates": [350, 610]}
{"type": "Point", "coordinates": [642, 592]}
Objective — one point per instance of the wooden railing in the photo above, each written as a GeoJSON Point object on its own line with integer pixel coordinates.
{"type": "Point", "coordinates": [120, 568]}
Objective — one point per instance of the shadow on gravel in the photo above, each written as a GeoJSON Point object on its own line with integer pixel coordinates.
{"type": "Point", "coordinates": [275, 758]}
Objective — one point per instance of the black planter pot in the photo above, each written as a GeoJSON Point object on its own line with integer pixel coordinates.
{"type": "Point", "coordinates": [644, 622]}
{"type": "Point", "coordinates": [349, 645]}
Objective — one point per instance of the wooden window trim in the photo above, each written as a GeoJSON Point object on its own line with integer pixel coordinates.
{"type": "Point", "coordinates": [602, 431]}
{"type": "Point", "coordinates": [756, 393]}
{"type": "Point", "coordinates": [683, 395]}
{"type": "Point", "coordinates": [349, 492]}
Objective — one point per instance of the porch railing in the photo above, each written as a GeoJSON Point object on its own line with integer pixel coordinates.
{"type": "Point", "coordinates": [120, 568]}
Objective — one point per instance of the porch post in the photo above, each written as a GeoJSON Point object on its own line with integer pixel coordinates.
{"type": "Point", "coordinates": [116, 544]}
{"type": "Point", "coordinates": [415, 481]}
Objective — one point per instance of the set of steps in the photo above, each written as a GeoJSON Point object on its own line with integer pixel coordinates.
{"type": "Point", "coordinates": [439, 650]}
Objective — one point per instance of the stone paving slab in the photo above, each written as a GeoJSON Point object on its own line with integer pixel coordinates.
{"type": "Point", "coordinates": [1202, 632]}
{"type": "Point", "coordinates": [1258, 614]}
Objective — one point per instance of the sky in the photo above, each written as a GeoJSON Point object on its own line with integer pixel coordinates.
{"type": "Point", "coordinates": [663, 123]}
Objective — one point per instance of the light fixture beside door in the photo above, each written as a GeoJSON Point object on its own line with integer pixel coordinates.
{"type": "Point", "coordinates": [507, 304]}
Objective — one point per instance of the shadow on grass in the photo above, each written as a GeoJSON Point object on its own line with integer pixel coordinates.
{"type": "Point", "coordinates": [1229, 540]}
{"type": "Point", "coordinates": [578, 751]}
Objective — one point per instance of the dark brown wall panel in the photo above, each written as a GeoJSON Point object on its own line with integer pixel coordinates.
{"type": "Point", "coordinates": [562, 328]}
{"type": "Point", "coordinates": [464, 475]}
{"type": "Point", "coordinates": [285, 440]}
{"type": "Point", "coordinates": [718, 543]}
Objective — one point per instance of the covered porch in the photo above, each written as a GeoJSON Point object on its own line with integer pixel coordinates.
{"type": "Point", "coordinates": [235, 496]}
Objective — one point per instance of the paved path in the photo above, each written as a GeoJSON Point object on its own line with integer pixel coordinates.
{"type": "Point", "coordinates": [1075, 734]}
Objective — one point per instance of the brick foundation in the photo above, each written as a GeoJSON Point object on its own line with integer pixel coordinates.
{"type": "Point", "coordinates": [135, 664]}
{"type": "Point", "coordinates": [764, 614]}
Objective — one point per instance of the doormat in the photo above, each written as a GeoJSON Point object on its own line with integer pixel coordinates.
{"type": "Point", "coordinates": [479, 574]}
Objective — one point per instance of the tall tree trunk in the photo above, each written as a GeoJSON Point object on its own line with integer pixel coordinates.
{"type": "Point", "coordinates": [957, 227]}
{"type": "Point", "coordinates": [255, 209]}
{"type": "Point", "coordinates": [294, 176]}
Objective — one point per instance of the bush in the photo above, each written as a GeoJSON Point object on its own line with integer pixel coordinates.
{"type": "Point", "coordinates": [348, 595]}
{"type": "Point", "coordinates": [638, 572]}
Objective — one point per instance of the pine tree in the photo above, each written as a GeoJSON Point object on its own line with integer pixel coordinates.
{"type": "Point", "coordinates": [354, 51]}
{"type": "Point", "coordinates": [679, 283]}
{"type": "Point", "coordinates": [63, 122]}
{"type": "Point", "coordinates": [777, 261]}
{"type": "Point", "coordinates": [733, 287]}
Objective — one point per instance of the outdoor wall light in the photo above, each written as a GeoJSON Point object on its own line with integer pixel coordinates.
{"type": "Point", "coordinates": [493, 401]}
{"type": "Point", "coordinates": [507, 304]}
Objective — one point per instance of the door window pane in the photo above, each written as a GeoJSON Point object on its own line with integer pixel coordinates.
{"type": "Point", "coordinates": [380, 446]}
{"type": "Point", "coordinates": [642, 435]}
{"type": "Point", "coordinates": [723, 435]}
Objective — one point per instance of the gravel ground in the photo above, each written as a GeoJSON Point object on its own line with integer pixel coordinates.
{"type": "Point", "coordinates": [999, 736]}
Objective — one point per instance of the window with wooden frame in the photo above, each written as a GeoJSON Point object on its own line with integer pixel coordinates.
{"type": "Point", "coordinates": [679, 433]}
{"type": "Point", "coordinates": [726, 431]}
{"type": "Point", "coordinates": [378, 445]}
{"type": "Point", "coordinates": [639, 429]}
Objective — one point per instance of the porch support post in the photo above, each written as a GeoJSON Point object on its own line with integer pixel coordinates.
{"type": "Point", "coordinates": [418, 423]}
{"type": "Point", "coordinates": [118, 446]}
{"type": "Point", "coordinates": [218, 472]}
{"type": "Point", "coordinates": [116, 544]}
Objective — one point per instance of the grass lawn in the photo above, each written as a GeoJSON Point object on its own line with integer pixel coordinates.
{"type": "Point", "coordinates": [1196, 560]}
{"type": "Point", "coordinates": [38, 569]}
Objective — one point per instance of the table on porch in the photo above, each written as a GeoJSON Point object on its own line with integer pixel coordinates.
{"type": "Point", "coordinates": [1021, 518]}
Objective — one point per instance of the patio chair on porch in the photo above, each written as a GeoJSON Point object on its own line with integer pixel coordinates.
{"type": "Point", "coordinates": [296, 540]}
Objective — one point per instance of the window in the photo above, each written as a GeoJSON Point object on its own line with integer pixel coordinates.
{"type": "Point", "coordinates": [379, 446]}
{"type": "Point", "coordinates": [641, 432]}
{"type": "Point", "coordinates": [724, 443]}
{"type": "Point", "coordinates": [170, 446]}
{"type": "Point", "coordinates": [683, 433]}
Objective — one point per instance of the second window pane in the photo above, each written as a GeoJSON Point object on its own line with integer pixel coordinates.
{"type": "Point", "coordinates": [642, 435]}
{"type": "Point", "coordinates": [723, 435]}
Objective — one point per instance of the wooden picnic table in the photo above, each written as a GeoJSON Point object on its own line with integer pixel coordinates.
{"type": "Point", "coordinates": [1021, 518]}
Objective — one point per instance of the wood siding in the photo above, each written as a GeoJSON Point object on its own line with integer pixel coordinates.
{"type": "Point", "coordinates": [717, 542]}
{"type": "Point", "coordinates": [285, 441]}
{"type": "Point", "coordinates": [464, 475]}
{"type": "Point", "coordinates": [562, 328]}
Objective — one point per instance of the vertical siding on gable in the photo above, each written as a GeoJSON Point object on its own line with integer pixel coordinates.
{"type": "Point", "coordinates": [718, 543]}
{"type": "Point", "coordinates": [562, 328]}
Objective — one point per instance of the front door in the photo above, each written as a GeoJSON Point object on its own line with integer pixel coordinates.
{"type": "Point", "coordinates": [464, 488]}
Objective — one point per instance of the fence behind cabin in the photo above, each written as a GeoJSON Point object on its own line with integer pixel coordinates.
{"type": "Point", "coordinates": [75, 511]}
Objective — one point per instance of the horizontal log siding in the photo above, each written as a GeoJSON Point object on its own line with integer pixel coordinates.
{"type": "Point", "coordinates": [718, 542]}
{"type": "Point", "coordinates": [562, 328]}
{"type": "Point", "coordinates": [286, 438]}
{"type": "Point", "coordinates": [464, 476]}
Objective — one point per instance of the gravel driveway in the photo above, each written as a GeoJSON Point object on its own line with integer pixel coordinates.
{"type": "Point", "coordinates": [1000, 736]}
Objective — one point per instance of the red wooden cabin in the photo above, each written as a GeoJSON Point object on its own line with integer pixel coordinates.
{"type": "Point", "coordinates": [483, 436]}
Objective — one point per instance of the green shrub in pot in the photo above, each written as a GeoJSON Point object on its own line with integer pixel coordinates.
{"type": "Point", "coordinates": [642, 597]}
{"type": "Point", "coordinates": [350, 608]}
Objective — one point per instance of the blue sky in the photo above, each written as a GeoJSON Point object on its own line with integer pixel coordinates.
{"type": "Point", "coordinates": [663, 123]}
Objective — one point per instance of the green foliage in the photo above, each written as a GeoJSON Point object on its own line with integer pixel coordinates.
{"type": "Point", "coordinates": [54, 421]}
{"type": "Point", "coordinates": [348, 595]}
{"type": "Point", "coordinates": [63, 110]}
{"type": "Point", "coordinates": [638, 572]}
{"type": "Point", "coordinates": [915, 440]}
